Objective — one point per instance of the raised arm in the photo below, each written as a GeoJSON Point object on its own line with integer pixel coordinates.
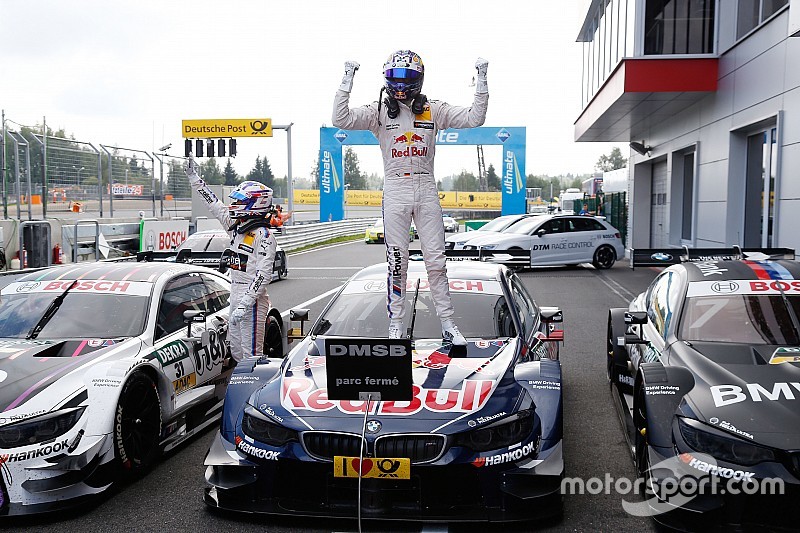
{"type": "Point", "coordinates": [360, 118]}
{"type": "Point", "coordinates": [449, 116]}
{"type": "Point", "coordinates": [217, 207]}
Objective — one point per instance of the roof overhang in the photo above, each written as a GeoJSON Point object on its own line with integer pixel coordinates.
{"type": "Point", "coordinates": [643, 92]}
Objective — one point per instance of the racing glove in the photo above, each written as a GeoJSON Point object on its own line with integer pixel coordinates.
{"type": "Point", "coordinates": [191, 170]}
{"type": "Point", "coordinates": [481, 86]}
{"type": "Point", "coordinates": [244, 307]}
{"type": "Point", "coordinates": [350, 68]}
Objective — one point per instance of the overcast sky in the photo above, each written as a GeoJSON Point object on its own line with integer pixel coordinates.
{"type": "Point", "coordinates": [126, 73]}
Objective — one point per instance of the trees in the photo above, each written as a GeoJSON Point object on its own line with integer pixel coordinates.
{"type": "Point", "coordinates": [211, 173]}
{"type": "Point", "coordinates": [229, 174]}
{"type": "Point", "coordinates": [492, 179]}
{"type": "Point", "coordinates": [352, 173]}
{"type": "Point", "coordinates": [262, 172]}
{"type": "Point", "coordinates": [466, 181]}
{"type": "Point", "coordinates": [612, 161]}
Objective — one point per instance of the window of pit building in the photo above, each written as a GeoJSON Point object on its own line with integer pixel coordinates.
{"type": "Point", "coordinates": [751, 13]}
{"type": "Point", "coordinates": [679, 27]}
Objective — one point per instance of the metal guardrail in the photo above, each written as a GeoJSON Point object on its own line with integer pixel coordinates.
{"type": "Point", "coordinates": [294, 237]}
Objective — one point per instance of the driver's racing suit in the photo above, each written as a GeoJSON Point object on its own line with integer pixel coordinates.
{"type": "Point", "coordinates": [408, 144]}
{"type": "Point", "coordinates": [251, 255]}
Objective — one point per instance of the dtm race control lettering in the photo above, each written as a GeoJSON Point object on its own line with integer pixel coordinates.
{"type": "Point", "coordinates": [562, 246]}
{"type": "Point", "coordinates": [730, 394]}
{"type": "Point", "coordinates": [301, 394]}
{"type": "Point", "coordinates": [506, 457]}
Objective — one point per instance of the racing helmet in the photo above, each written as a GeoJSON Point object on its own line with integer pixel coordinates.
{"type": "Point", "coordinates": [250, 199]}
{"type": "Point", "coordinates": [404, 73]}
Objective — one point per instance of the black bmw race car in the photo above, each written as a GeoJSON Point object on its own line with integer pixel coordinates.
{"type": "Point", "coordinates": [479, 440]}
{"type": "Point", "coordinates": [705, 373]}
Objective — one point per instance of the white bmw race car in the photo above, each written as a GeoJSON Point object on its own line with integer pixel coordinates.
{"type": "Point", "coordinates": [102, 367]}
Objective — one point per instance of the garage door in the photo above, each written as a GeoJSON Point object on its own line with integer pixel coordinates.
{"type": "Point", "coordinates": [658, 207]}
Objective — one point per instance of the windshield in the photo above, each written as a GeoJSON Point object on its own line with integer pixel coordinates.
{"type": "Point", "coordinates": [363, 313]}
{"type": "Point", "coordinates": [81, 315]}
{"type": "Point", "coordinates": [205, 243]}
{"type": "Point", "coordinates": [745, 319]}
{"type": "Point", "coordinates": [498, 224]}
{"type": "Point", "coordinates": [525, 226]}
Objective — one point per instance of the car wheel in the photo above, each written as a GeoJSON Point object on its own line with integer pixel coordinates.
{"type": "Point", "coordinates": [604, 257]}
{"type": "Point", "coordinates": [273, 338]}
{"type": "Point", "coordinates": [137, 424]}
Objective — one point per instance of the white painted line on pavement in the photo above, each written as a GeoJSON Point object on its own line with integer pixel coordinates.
{"type": "Point", "coordinates": [616, 290]}
{"type": "Point", "coordinates": [313, 300]}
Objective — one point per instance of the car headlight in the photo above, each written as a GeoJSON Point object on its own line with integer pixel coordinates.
{"type": "Point", "coordinates": [470, 247]}
{"type": "Point", "coordinates": [501, 434]}
{"type": "Point", "coordinates": [39, 429]}
{"type": "Point", "coordinates": [705, 439]}
{"type": "Point", "coordinates": [259, 427]}
{"type": "Point", "coordinates": [489, 246]}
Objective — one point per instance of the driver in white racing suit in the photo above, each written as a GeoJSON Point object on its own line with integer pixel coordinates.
{"type": "Point", "coordinates": [406, 124]}
{"type": "Point", "coordinates": [250, 257]}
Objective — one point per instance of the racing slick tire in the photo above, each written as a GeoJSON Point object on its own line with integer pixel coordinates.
{"type": "Point", "coordinates": [273, 338]}
{"type": "Point", "coordinates": [137, 425]}
{"type": "Point", "coordinates": [604, 257]}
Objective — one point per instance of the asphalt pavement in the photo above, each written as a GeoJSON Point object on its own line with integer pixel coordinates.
{"type": "Point", "coordinates": [170, 496]}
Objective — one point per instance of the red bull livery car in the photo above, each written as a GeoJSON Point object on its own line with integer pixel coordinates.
{"type": "Point", "coordinates": [480, 439]}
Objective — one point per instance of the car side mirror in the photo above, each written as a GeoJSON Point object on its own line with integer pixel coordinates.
{"type": "Point", "coordinates": [541, 232]}
{"type": "Point", "coordinates": [190, 317]}
{"type": "Point", "coordinates": [296, 315]}
{"type": "Point", "coordinates": [635, 317]}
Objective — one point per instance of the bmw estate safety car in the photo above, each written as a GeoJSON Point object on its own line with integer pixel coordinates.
{"type": "Point", "coordinates": [481, 438]}
{"type": "Point", "coordinates": [99, 372]}
{"type": "Point", "coordinates": [558, 240]}
{"type": "Point", "coordinates": [705, 373]}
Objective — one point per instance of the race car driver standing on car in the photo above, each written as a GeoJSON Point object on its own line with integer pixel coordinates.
{"type": "Point", "coordinates": [406, 124]}
{"type": "Point", "coordinates": [250, 256]}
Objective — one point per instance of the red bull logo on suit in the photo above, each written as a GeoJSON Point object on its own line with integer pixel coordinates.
{"type": "Point", "coordinates": [409, 138]}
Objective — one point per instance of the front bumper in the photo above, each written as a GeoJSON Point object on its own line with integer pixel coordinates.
{"type": "Point", "coordinates": [59, 481]}
{"type": "Point", "coordinates": [722, 503]}
{"type": "Point", "coordinates": [451, 493]}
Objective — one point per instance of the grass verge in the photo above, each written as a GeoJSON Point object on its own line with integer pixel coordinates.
{"type": "Point", "coordinates": [335, 240]}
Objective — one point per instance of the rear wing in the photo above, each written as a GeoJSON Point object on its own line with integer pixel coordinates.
{"type": "Point", "coordinates": [663, 257]}
{"type": "Point", "coordinates": [514, 257]}
{"type": "Point", "coordinates": [207, 259]}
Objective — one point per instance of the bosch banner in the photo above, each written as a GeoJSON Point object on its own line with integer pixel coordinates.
{"type": "Point", "coordinates": [512, 163]}
{"type": "Point", "coordinates": [162, 235]}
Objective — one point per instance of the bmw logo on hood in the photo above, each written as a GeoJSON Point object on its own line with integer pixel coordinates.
{"type": "Point", "coordinates": [660, 256]}
{"type": "Point", "coordinates": [373, 426]}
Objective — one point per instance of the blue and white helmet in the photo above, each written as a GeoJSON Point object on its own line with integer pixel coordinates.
{"type": "Point", "coordinates": [404, 73]}
{"type": "Point", "coordinates": [250, 199]}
